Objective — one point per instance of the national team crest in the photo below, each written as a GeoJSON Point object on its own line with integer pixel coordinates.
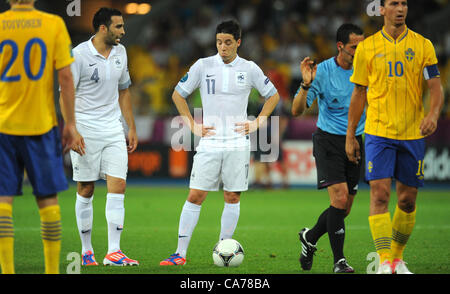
{"type": "Point", "coordinates": [241, 78]}
{"type": "Point", "coordinates": [117, 62]}
{"type": "Point", "coordinates": [409, 54]}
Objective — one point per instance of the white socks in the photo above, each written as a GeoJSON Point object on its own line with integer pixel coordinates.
{"type": "Point", "coordinates": [229, 220]}
{"type": "Point", "coordinates": [84, 214]}
{"type": "Point", "coordinates": [188, 220]}
{"type": "Point", "coordinates": [115, 214]}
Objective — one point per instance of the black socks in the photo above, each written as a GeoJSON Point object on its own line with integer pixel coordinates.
{"type": "Point", "coordinates": [336, 231]}
{"type": "Point", "coordinates": [332, 221]}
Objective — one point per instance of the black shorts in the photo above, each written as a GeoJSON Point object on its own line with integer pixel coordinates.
{"type": "Point", "coordinates": [332, 164]}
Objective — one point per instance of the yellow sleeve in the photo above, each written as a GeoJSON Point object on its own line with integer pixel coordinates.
{"type": "Point", "coordinates": [360, 74]}
{"type": "Point", "coordinates": [429, 54]}
{"type": "Point", "coordinates": [63, 46]}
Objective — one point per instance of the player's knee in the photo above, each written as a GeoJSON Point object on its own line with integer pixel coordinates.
{"type": "Point", "coordinates": [378, 201]}
{"type": "Point", "coordinates": [343, 199]}
{"type": "Point", "coordinates": [232, 197]}
{"type": "Point", "coordinates": [339, 198]}
{"type": "Point", "coordinates": [407, 205]}
{"type": "Point", "coordinates": [380, 194]}
{"type": "Point", "coordinates": [196, 196]}
{"type": "Point", "coordinates": [120, 187]}
{"type": "Point", "coordinates": [86, 189]}
{"type": "Point", "coordinates": [116, 185]}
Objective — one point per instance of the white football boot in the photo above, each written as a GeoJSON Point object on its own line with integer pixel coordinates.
{"type": "Point", "coordinates": [399, 267]}
{"type": "Point", "coordinates": [385, 268]}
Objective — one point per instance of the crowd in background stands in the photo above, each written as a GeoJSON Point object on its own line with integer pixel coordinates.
{"type": "Point", "coordinates": [277, 35]}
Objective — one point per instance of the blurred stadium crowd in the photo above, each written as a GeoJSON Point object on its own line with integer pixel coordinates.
{"type": "Point", "coordinates": [277, 35]}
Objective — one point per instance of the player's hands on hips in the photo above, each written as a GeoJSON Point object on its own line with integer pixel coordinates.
{"type": "Point", "coordinates": [132, 140]}
{"type": "Point", "coordinates": [71, 139]}
{"type": "Point", "coordinates": [428, 125]}
{"type": "Point", "coordinates": [308, 68]}
{"type": "Point", "coordinates": [352, 149]}
{"type": "Point", "coordinates": [201, 130]}
{"type": "Point", "coordinates": [246, 127]}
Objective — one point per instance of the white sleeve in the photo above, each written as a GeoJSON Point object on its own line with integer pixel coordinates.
{"type": "Point", "coordinates": [261, 82]}
{"type": "Point", "coordinates": [191, 80]}
{"type": "Point", "coordinates": [125, 80]}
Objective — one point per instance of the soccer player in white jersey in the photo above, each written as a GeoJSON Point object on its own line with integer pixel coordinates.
{"type": "Point", "coordinates": [223, 154]}
{"type": "Point", "coordinates": [101, 84]}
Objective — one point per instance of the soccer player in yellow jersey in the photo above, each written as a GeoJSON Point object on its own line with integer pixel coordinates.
{"type": "Point", "coordinates": [389, 71]}
{"type": "Point", "coordinates": [33, 44]}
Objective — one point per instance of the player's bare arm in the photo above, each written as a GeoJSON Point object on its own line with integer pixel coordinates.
{"type": "Point", "coordinates": [247, 127]}
{"type": "Point", "coordinates": [71, 139]}
{"type": "Point", "coordinates": [355, 111]}
{"type": "Point", "coordinates": [429, 123]}
{"type": "Point", "coordinates": [127, 112]}
{"type": "Point", "coordinates": [308, 68]}
{"type": "Point", "coordinates": [183, 109]}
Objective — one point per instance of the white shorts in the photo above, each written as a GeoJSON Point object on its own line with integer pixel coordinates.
{"type": "Point", "coordinates": [106, 154]}
{"type": "Point", "coordinates": [211, 167]}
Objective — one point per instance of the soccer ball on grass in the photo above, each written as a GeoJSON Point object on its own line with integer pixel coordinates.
{"type": "Point", "coordinates": [228, 253]}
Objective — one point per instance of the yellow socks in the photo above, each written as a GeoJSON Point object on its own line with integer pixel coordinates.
{"type": "Point", "coordinates": [6, 239]}
{"type": "Point", "coordinates": [402, 227]}
{"type": "Point", "coordinates": [390, 238]}
{"type": "Point", "coordinates": [51, 237]}
{"type": "Point", "coordinates": [381, 228]}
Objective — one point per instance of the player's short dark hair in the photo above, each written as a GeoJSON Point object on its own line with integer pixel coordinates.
{"type": "Point", "coordinates": [382, 3]}
{"type": "Point", "coordinates": [345, 30]}
{"type": "Point", "coordinates": [103, 17]}
{"type": "Point", "coordinates": [230, 27]}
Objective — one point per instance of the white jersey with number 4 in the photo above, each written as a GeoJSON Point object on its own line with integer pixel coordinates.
{"type": "Point", "coordinates": [224, 91]}
{"type": "Point", "coordinates": [97, 83]}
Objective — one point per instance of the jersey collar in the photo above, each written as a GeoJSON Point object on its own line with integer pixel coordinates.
{"type": "Point", "coordinates": [233, 63]}
{"type": "Point", "coordinates": [23, 7]}
{"type": "Point", "coordinates": [95, 52]}
{"type": "Point", "coordinates": [390, 39]}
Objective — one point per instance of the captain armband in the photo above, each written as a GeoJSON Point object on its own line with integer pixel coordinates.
{"type": "Point", "coordinates": [431, 71]}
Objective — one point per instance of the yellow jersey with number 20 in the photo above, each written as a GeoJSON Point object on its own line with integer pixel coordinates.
{"type": "Point", "coordinates": [32, 45]}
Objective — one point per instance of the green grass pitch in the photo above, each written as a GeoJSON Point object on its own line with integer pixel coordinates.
{"type": "Point", "coordinates": [268, 230]}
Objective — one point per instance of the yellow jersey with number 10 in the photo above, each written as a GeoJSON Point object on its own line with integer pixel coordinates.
{"type": "Point", "coordinates": [32, 45]}
{"type": "Point", "coordinates": [394, 71]}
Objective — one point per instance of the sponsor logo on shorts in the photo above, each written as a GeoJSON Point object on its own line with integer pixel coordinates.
{"type": "Point", "coordinates": [370, 166]}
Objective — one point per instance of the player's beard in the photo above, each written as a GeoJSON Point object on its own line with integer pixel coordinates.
{"type": "Point", "coordinates": [110, 39]}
